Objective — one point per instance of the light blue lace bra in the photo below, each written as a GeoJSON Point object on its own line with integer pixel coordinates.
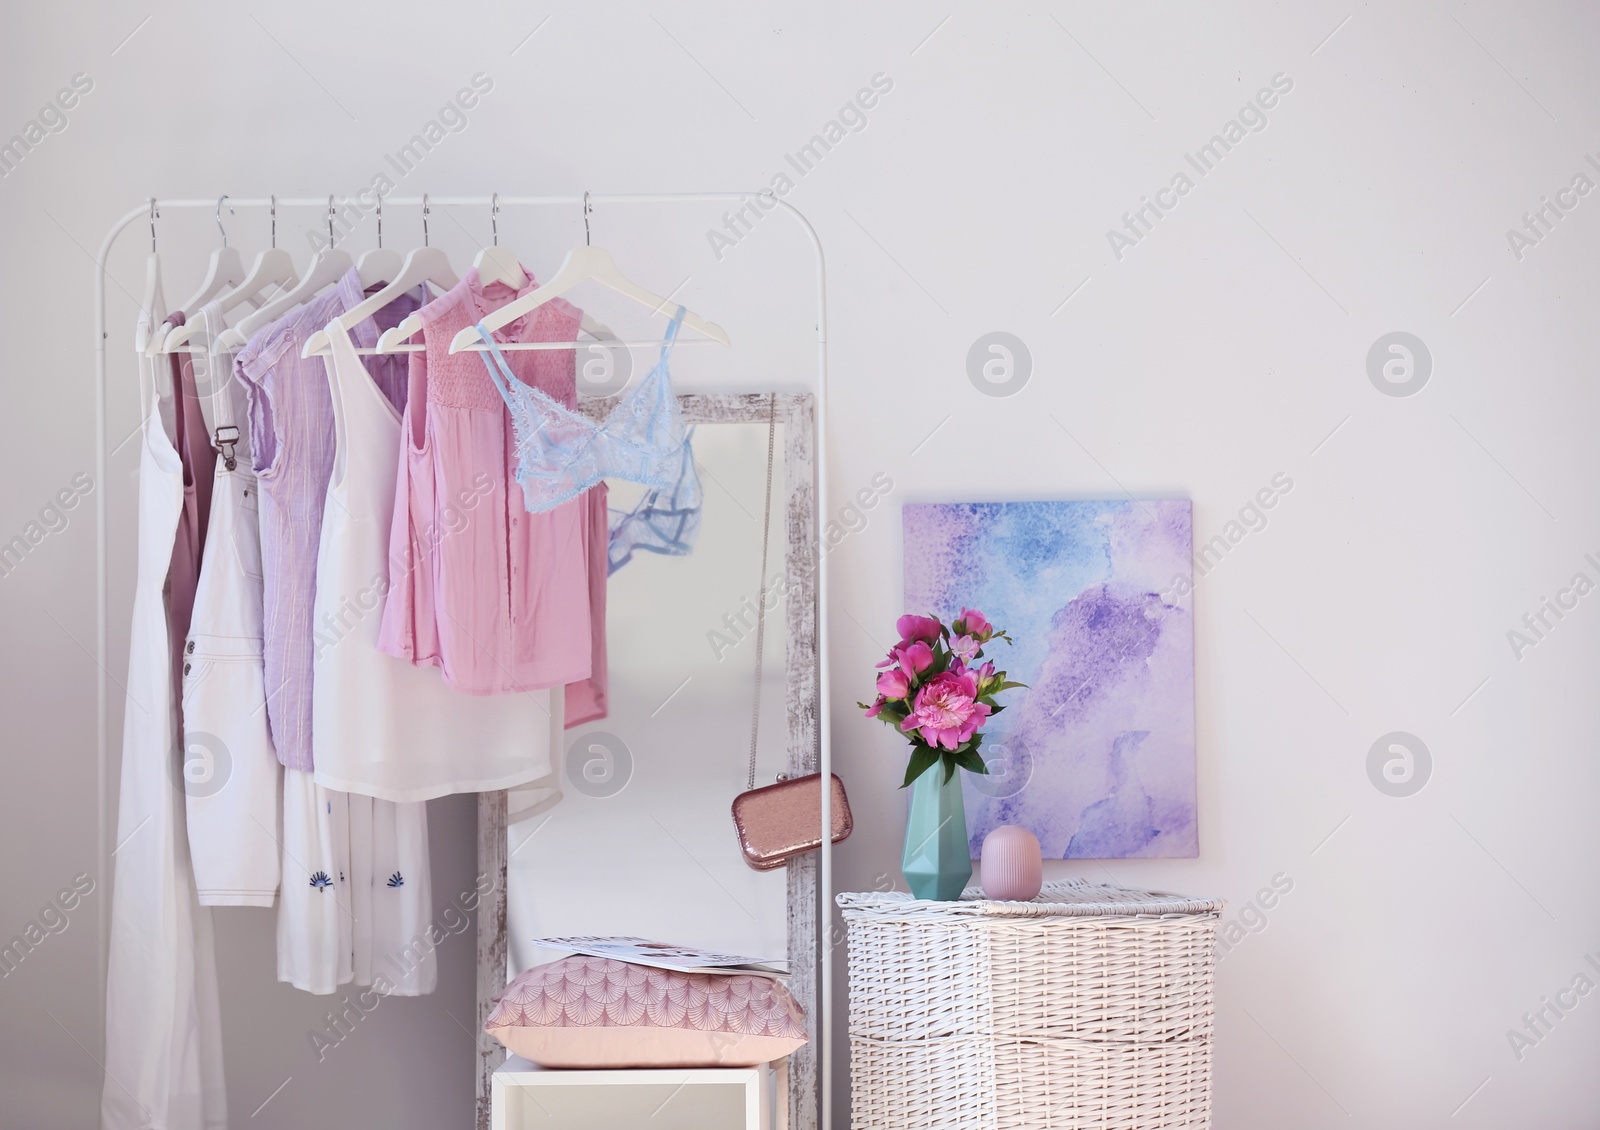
{"type": "Point", "coordinates": [561, 454]}
{"type": "Point", "coordinates": [665, 521]}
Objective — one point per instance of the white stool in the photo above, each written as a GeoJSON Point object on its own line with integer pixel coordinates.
{"type": "Point", "coordinates": [529, 1097]}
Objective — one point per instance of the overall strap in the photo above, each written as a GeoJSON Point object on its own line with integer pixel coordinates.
{"type": "Point", "coordinates": [219, 372]}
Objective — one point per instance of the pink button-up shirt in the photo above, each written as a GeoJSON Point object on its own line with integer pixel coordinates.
{"type": "Point", "coordinates": [500, 600]}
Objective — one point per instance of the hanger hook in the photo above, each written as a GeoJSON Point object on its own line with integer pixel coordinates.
{"type": "Point", "coordinates": [587, 208]}
{"type": "Point", "coordinates": [494, 218]}
{"type": "Point", "coordinates": [424, 219]}
{"type": "Point", "coordinates": [330, 219]}
{"type": "Point", "coordinates": [272, 206]}
{"type": "Point", "coordinates": [380, 221]}
{"type": "Point", "coordinates": [231, 212]}
{"type": "Point", "coordinates": [154, 216]}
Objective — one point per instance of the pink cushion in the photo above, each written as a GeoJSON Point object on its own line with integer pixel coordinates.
{"type": "Point", "coordinates": [598, 1012]}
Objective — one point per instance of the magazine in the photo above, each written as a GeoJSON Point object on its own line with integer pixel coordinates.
{"type": "Point", "coordinates": [663, 955]}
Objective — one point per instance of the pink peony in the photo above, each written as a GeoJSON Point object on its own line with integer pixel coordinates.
{"type": "Point", "coordinates": [976, 624]}
{"type": "Point", "coordinates": [964, 647]}
{"type": "Point", "coordinates": [946, 712]}
{"type": "Point", "coordinates": [894, 683]}
{"type": "Point", "coordinates": [877, 706]}
{"type": "Point", "coordinates": [914, 658]}
{"type": "Point", "coordinates": [914, 628]}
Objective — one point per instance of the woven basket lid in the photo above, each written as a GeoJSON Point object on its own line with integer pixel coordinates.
{"type": "Point", "coordinates": [1067, 898]}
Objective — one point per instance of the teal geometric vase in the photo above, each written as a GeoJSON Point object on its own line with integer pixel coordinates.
{"type": "Point", "coordinates": [936, 862]}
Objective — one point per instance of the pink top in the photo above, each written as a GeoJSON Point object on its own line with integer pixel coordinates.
{"type": "Point", "coordinates": [502, 601]}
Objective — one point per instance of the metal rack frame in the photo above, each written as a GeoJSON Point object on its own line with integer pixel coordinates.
{"type": "Point", "coordinates": [825, 758]}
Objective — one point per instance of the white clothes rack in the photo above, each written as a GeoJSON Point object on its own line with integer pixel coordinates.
{"type": "Point", "coordinates": [825, 755]}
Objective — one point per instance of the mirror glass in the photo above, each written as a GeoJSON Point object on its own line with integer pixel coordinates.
{"type": "Point", "coordinates": [641, 842]}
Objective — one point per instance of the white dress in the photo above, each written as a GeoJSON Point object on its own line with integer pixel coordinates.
{"type": "Point", "coordinates": [357, 894]}
{"type": "Point", "coordinates": [381, 726]}
{"type": "Point", "coordinates": [163, 1057]}
{"type": "Point", "coordinates": [313, 913]}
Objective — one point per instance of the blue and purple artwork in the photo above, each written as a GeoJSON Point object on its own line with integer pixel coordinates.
{"type": "Point", "coordinates": [1096, 755]}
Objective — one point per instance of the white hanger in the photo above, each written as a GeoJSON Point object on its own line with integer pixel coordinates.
{"type": "Point", "coordinates": [224, 270]}
{"type": "Point", "coordinates": [582, 264]}
{"type": "Point", "coordinates": [379, 265]}
{"type": "Point", "coordinates": [426, 264]}
{"type": "Point", "coordinates": [327, 267]}
{"type": "Point", "coordinates": [145, 331]}
{"type": "Point", "coordinates": [272, 270]}
{"type": "Point", "coordinates": [494, 264]}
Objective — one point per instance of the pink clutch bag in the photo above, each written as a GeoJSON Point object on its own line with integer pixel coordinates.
{"type": "Point", "coordinates": [778, 822]}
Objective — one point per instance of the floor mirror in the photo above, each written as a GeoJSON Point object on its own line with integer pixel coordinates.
{"type": "Point", "coordinates": [641, 841]}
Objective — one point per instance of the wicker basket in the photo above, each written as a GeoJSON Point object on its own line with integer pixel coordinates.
{"type": "Point", "coordinates": [1090, 1006]}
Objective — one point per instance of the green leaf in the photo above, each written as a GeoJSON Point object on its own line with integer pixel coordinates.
{"type": "Point", "coordinates": [949, 766]}
{"type": "Point", "coordinates": [972, 763]}
{"type": "Point", "coordinates": [921, 758]}
{"type": "Point", "coordinates": [1005, 685]}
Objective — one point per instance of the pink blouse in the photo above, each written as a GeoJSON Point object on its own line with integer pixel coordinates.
{"type": "Point", "coordinates": [502, 601]}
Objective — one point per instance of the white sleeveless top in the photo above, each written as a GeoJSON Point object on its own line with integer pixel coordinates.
{"type": "Point", "coordinates": [381, 726]}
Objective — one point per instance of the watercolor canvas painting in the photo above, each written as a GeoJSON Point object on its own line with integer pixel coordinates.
{"type": "Point", "coordinates": [1096, 756]}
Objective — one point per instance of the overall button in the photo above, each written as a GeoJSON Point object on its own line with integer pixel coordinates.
{"type": "Point", "coordinates": [186, 668]}
{"type": "Point", "coordinates": [189, 648]}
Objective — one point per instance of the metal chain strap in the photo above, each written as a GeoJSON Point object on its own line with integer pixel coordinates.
{"type": "Point", "coordinates": [761, 587]}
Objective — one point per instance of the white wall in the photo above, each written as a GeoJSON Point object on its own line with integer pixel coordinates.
{"type": "Point", "coordinates": [1226, 347]}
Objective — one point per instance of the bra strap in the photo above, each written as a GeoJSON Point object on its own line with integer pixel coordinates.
{"type": "Point", "coordinates": [672, 333]}
{"type": "Point", "coordinates": [499, 371]}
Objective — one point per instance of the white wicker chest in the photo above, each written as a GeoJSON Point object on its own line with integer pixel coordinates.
{"type": "Point", "coordinates": [1090, 1006]}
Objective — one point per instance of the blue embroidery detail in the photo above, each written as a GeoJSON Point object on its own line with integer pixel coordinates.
{"type": "Point", "coordinates": [397, 880]}
{"type": "Point", "coordinates": [321, 881]}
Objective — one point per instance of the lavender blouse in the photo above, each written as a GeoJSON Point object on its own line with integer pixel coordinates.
{"type": "Point", "coordinates": [292, 448]}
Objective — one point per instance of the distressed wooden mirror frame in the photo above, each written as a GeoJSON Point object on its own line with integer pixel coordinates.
{"type": "Point", "coordinates": [796, 412]}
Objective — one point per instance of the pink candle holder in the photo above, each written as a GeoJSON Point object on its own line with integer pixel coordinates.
{"type": "Point", "coordinates": [1012, 865]}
